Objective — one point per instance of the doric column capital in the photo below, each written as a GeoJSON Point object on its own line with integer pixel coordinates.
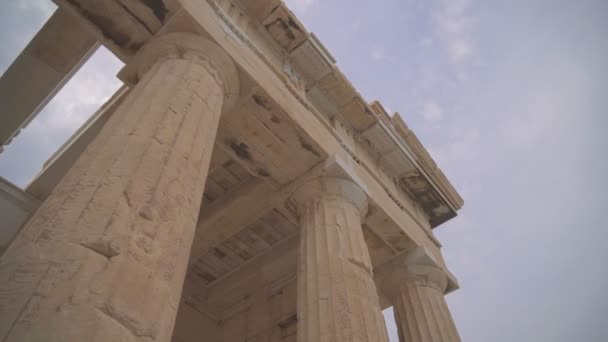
{"type": "Point", "coordinates": [189, 46]}
{"type": "Point", "coordinates": [335, 277]}
{"type": "Point", "coordinates": [416, 267]}
{"type": "Point", "coordinates": [425, 275]}
{"type": "Point", "coordinates": [331, 187]}
{"type": "Point", "coordinates": [416, 284]}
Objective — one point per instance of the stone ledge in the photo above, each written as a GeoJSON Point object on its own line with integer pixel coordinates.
{"type": "Point", "coordinates": [328, 88]}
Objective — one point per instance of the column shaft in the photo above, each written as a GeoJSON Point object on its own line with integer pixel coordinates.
{"type": "Point", "coordinates": [104, 258]}
{"type": "Point", "coordinates": [422, 314]}
{"type": "Point", "coordinates": [337, 298]}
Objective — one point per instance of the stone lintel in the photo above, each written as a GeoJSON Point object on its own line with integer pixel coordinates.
{"type": "Point", "coordinates": [336, 167]}
{"type": "Point", "coordinates": [49, 60]}
{"type": "Point", "coordinates": [333, 94]}
{"type": "Point", "coordinates": [427, 163]}
{"type": "Point", "coordinates": [258, 67]}
{"type": "Point", "coordinates": [314, 60]}
{"type": "Point", "coordinates": [285, 28]}
{"type": "Point", "coordinates": [259, 9]}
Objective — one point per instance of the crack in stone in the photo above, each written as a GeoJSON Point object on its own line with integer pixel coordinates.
{"type": "Point", "coordinates": [360, 264]}
{"type": "Point", "coordinates": [158, 141]}
{"type": "Point", "coordinates": [146, 213]}
{"type": "Point", "coordinates": [105, 248]}
{"type": "Point", "coordinates": [126, 323]}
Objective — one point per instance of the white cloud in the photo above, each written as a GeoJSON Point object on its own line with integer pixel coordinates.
{"type": "Point", "coordinates": [63, 115]}
{"type": "Point", "coordinates": [432, 113]}
{"type": "Point", "coordinates": [426, 41]}
{"type": "Point", "coordinates": [377, 54]}
{"type": "Point", "coordinates": [459, 50]}
{"type": "Point", "coordinates": [454, 29]}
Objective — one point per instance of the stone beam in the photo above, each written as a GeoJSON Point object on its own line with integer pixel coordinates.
{"type": "Point", "coordinates": [122, 26]}
{"type": "Point", "coordinates": [226, 216]}
{"type": "Point", "coordinates": [15, 207]}
{"type": "Point", "coordinates": [286, 98]}
{"type": "Point", "coordinates": [231, 213]}
{"type": "Point", "coordinates": [47, 62]}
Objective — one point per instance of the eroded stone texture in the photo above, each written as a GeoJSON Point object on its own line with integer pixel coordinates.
{"type": "Point", "coordinates": [337, 298]}
{"type": "Point", "coordinates": [105, 256]}
{"type": "Point", "coordinates": [421, 312]}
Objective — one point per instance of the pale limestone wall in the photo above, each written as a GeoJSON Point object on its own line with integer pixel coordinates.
{"type": "Point", "coordinates": [15, 207]}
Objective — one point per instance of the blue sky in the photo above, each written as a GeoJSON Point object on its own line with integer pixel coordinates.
{"type": "Point", "coordinates": [510, 97]}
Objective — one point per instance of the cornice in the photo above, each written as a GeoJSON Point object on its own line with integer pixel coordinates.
{"type": "Point", "coordinates": [311, 75]}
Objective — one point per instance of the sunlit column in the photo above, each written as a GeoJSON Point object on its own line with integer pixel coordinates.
{"type": "Point", "coordinates": [337, 298]}
{"type": "Point", "coordinates": [416, 290]}
{"type": "Point", "coordinates": [105, 256]}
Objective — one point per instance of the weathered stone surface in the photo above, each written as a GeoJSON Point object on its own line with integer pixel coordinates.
{"type": "Point", "coordinates": [416, 288]}
{"type": "Point", "coordinates": [16, 206]}
{"type": "Point", "coordinates": [65, 157]}
{"type": "Point", "coordinates": [337, 298]}
{"type": "Point", "coordinates": [105, 256]}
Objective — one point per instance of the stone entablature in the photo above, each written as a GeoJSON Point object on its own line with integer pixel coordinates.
{"type": "Point", "coordinates": [242, 165]}
{"type": "Point", "coordinates": [393, 145]}
{"type": "Point", "coordinates": [270, 29]}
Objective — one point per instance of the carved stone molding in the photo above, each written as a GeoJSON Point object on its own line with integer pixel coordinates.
{"type": "Point", "coordinates": [180, 45]}
{"type": "Point", "coordinates": [331, 187]}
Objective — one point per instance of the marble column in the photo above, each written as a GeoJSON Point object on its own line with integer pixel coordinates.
{"type": "Point", "coordinates": [104, 258]}
{"type": "Point", "coordinates": [337, 298]}
{"type": "Point", "coordinates": [421, 312]}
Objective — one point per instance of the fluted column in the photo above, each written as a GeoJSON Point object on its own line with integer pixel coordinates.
{"type": "Point", "coordinates": [421, 312]}
{"type": "Point", "coordinates": [337, 298]}
{"type": "Point", "coordinates": [104, 258]}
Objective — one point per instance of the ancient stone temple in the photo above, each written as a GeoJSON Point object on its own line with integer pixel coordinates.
{"type": "Point", "coordinates": [236, 188]}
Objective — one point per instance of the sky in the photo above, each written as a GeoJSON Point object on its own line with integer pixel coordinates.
{"type": "Point", "coordinates": [510, 98]}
